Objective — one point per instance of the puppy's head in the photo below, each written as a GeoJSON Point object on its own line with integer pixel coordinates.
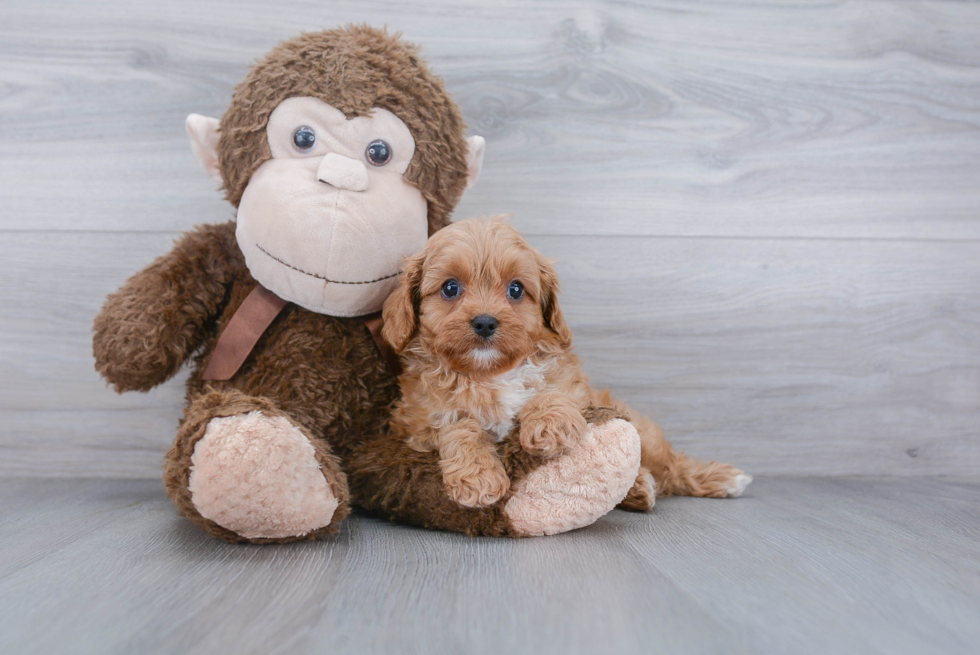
{"type": "Point", "coordinates": [479, 297]}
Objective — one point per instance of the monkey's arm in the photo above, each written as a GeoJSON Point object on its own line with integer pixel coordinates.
{"type": "Point", "coordinates": [545, 497]}
{"type": "Point", "coordinates": [161, 315]}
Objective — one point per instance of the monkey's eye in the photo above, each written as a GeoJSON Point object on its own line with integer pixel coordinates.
{"type": "Point", "coordinates": [450, 289]}
{"type": "Point", "coordinates": [378, 152]}
{"type": "Point", "coordinates": [515, 291]}
{"type": "Point", "coordinates": [304, 137]}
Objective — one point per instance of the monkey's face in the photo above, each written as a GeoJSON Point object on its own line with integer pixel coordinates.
{"type": "Point", "coordinates": [327, 222]}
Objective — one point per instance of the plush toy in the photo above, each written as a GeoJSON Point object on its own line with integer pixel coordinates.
{"type": "Point", "coordinates": [342, 153]}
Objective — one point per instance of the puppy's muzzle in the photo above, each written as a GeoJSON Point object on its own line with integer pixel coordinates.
{"type": "Point", "coordinates": [484, 325]}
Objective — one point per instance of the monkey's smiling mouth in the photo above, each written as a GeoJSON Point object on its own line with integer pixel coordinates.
{"type": "Point", "coordinates": [321, 277]}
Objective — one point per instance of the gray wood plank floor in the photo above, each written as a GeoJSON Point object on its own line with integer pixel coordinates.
{"type": "Point", "coordinates": [802, 565]}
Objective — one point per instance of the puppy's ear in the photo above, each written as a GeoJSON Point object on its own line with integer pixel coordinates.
{"type": "Point", "coordinates": [401, 309]}
{"type": "Point", "coordinates": [554, 320]}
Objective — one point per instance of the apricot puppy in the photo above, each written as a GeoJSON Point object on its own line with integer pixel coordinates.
{"type": "Point", "coordinates": [484, 344]}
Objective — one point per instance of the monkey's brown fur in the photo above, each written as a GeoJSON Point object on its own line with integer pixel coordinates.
{"type": "Point", "coordinates": [353, 69]}
{"type": "Point", "coordinates": [323, 373]}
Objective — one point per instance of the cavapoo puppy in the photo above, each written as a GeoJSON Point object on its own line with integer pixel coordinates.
{"type": "Point", "coordinates": [484, 347]}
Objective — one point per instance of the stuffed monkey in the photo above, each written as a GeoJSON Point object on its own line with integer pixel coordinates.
{"type": "Point", "coordinates": [342, 153]}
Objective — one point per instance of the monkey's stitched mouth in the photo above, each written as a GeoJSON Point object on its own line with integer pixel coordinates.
{"type": "Point", "coordinates": [321, 277]}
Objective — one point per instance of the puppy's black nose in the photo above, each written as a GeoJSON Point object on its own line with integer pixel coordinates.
{"type": "Point", "coordinates": [484, 325]}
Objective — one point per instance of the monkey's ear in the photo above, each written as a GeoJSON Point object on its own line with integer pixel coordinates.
{"type": "Point", "coordinates": [553, 318]}
{"type": "Point", "coordinates": [401, 310]}
{"type": "Point", "coordinates": [203, 131]}
{"type": "Point", "coordinates": [475, 147]}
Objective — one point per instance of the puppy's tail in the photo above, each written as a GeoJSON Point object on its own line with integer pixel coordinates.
{"type": "Point", "coordinates": [676, 474]}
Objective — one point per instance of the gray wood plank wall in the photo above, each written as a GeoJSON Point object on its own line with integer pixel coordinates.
{"type": "Point", "coordinates": [766, 214]}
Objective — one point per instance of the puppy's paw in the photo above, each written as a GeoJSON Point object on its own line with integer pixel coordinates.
{"type": "Point", "coordinates": [642, 495]}
{"type": "Point", "coordinates": [550, 433]}
{"type": "Point", "coordinates": [477, 486]}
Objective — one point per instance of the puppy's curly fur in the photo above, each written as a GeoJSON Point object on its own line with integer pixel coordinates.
{"type": "Point", "coordinates": [462, 392]}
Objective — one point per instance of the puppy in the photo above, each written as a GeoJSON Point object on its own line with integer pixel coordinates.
{"type": "Point", "coordinates": [484, 345]}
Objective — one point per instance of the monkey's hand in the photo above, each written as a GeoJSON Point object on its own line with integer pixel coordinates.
{"type": "Point", "coordinates": [551, 422]}
{"type": "Point", "coordinates": [161, 315]}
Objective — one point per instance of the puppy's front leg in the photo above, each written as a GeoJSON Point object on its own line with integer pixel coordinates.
{"type": "Point", "coordinates": [550, 423]}
{"type": "Point", "coordinates": [473, 474]}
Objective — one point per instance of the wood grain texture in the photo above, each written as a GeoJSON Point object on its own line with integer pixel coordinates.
{"type": "Point", "coordinates": [765, 213]}
{"type": "Point", "coordinates": [782, 356]}
{"type": "Point", "coordinates": [798, 566]}
{"type": "Point", "coordinates": [839, 119]}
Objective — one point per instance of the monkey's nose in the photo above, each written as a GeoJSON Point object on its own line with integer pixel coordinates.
{"type": "Point", "coordinates": [484, 325]}
{"type": "Point", "coordinates": [343, 172]}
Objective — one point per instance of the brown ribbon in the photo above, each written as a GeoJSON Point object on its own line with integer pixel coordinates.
{"type": "Point", "coordinates": [253, 317]}
{"type": "Point", "coordinates": [243, 331]}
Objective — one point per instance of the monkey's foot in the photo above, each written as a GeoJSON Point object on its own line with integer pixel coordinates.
{"type": "Point", "coordinates": [576, 488]}
{"type": "Point", "coordinates": [259, 477]}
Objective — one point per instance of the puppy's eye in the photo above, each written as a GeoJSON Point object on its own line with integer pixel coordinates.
{"type": "Point", "coordinates": [515, 291]}
{"type": "Point", "coordinates": [450, 289]}
{"type": "Point", "coordinates": [378, 152]}
{"type": "Point", "coordinates": [304, 138]}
